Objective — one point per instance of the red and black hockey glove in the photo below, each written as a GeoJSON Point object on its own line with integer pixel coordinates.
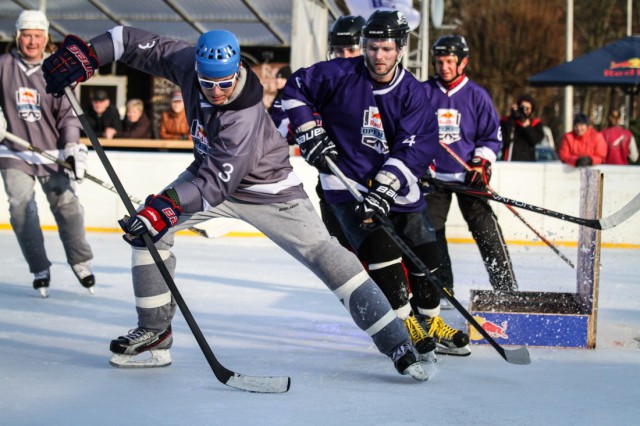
{"type": "Point", "coordinates": [479, 174]}
{"type": "Point", "coordinates": [74, 62]}
{"type": "Point", "coordinates": [315, 145]}
{"type": "Point", "coordinates": [160, 213]}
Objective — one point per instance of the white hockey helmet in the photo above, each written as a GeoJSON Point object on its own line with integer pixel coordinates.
{"type": "Point", "coordinates": [32, 20]}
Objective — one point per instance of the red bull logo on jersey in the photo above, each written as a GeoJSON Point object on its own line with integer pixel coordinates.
{"type": "Point", "coordinates": [448, 125]}
{"type": "Point", "coordinates": [630, 67]}
{"type": "Point", "coordinates": [372, 131]}
{"type": "Point", "coordinates": [199, 137]}
{"type": "Point", "coordinates": [28, 104]}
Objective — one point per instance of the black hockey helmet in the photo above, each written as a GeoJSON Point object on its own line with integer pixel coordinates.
{"type": "Point", "coordinates": [387, 24]}
{"type": "Point", "coordinates": [450, 45]}
{"type": "Point", "coordinates": [346, 31]}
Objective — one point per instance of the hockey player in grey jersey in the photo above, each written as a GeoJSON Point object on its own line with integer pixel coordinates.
{"type": "Point", "coordinates": [241, 170]}
{"type": "Point", "coordinates": [50, 125]}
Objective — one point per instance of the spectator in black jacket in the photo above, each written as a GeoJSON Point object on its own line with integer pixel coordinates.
{"type": "Point", "coordinates": [103, 117]}
{"type": "Point", "coordinates": [521, 131]}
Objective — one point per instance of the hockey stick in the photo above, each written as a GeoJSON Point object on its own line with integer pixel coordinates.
{"type": "Point", "coordinates": [608, 222]}
{"type": "Point", "coordinates": [514, 211]}
{"type": "Point", "coordinates": [519, 356]}
{"type": "Point", "coordinates": [261, 384]}
{"type": "Point", "coordinates": [19, 141]}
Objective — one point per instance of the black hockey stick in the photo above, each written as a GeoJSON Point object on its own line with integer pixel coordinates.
{"type": "Point", "coordinates": [19, 141]}
{"type": "Point", "coordinates": [514, 211]}
{"type": "Point", "coordinates": [261, 384]}
{"type": "Point", "coordinates": [518, 356]}
{"type": "Point", "coordinates": [608, 222]}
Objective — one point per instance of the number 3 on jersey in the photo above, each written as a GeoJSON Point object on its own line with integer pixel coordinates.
{"type": "Point", "coordinates": [225, 175]}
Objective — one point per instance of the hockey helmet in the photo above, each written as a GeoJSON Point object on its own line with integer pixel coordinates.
{"type": "Point", "coordinates": [346, 31]}
{"type": "Point", "coordinates": [450, 45]}
{"type": "Point", "coordinates": [217, 54]}
{"type": "Point", "coordinates": [32, 20]}
{"type": "Point", "coordinates": [387, 24]}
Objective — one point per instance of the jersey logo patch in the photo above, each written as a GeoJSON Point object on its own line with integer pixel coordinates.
{"type": "Point", "coordinates": [372, 132]}
{"type": "Point", "coordinates": [147, 46]}
{"type": "Point", "coordinates": [28, 104]}
{"type": "Point", "coordinates": [199, 136]}
{"type": "Point", "coordinates": [448, 125]}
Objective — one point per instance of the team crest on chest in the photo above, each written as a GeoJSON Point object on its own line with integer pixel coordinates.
{"type": "Point", "coordinates": [372, 132]}
{"type": "Point", "coordinates": [448, 125]}
{"type": "Point", "coordinates": [28, 104]}
{"type": "Point", "coordinates": [199, 136]}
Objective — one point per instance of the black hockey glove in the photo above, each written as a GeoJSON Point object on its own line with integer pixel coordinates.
{"type": "Point", "coordinates": [584, 161]}
{"type": "Point", "coordinates": [315, 145]}
{"type": "Point", "coordinates": [160, 213]}
{"type": "Point", "coordinates": [480, 174]}
{"type": "Point", "coordinates": [379, 200]}
{"type": "Point", "coordinates": [74, 62]}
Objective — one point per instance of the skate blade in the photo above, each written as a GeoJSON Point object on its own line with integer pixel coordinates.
{"type": "Point", "coordinates": [157, 358]}
{"type": "Point", "coordinates": [417, 371]}
{"type": "Point", "coordinates": [44, 292]}
{"type": "Point", "coordinates": [92, 289]}
{"type": "Point", "coordinates": [444, 350]}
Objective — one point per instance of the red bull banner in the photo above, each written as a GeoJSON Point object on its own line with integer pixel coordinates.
{"type": "Point", "coordinates": [628, 68]}
{"type": "Point", "coordinates": [508, 328]}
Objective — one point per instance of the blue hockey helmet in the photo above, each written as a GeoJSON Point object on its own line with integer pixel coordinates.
{"type": "Point", "coordinates": [217, 54]}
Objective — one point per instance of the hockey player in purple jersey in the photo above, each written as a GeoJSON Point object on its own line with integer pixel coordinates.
{"type": "Point", "coordinates": [470, 127]}
{"type": "Point", "coordinates": [241, 170]}
{"type": "Point", "coordinates": [379, 127]}
{"type": "Point", "coordinates": [49, 125]}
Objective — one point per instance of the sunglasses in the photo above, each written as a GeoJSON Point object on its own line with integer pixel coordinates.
{"type": "Point", "coordinates": [222, 84]}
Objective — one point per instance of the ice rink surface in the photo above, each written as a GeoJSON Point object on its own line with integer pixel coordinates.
{"type": "Point", "coordinates": [262, 313]}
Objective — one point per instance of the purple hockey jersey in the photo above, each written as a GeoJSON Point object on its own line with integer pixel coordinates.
{"type": "Point", "coordinates": [468, 123]}
{"type": "Point", "coordinates": [390, 127]}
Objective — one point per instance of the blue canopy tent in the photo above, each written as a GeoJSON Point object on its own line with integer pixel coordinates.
{"type": "Point", "coordinates": [615, 64]}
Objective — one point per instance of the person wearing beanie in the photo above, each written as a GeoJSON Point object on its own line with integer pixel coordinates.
{"type": "Point", "coordinates": [583, 146]}
{"type": "Point", "coordinates": [173, 124]}
{"type": "Point", "coordinates": [50, 125]}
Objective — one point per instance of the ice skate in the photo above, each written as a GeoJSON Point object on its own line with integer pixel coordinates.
{"type": "Point", "coordinates": [449, 341]}
{"type": "Point", "coordinates": [424, 344]}
{"type": "Point", "coordinates": [406, 362]}
{"type": "Point", "coordinates": [41, 282]}
{"type": "Point", "coordinates": [83, 272]}
{"type": "Point", "coordinates": [139, 340]}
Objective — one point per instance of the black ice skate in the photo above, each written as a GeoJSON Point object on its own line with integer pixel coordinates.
{"type": "Point", "coordinates": [83, 272]}
{"type": "Point", "coordinates": [449, 341]}
{"type": "Point", "coordinates": [139, 340]}
{"type": "Point", "coordinates": [424, 344]}
{"type": "Point", "coordinates": [41, 282]}
{"type": "Point", "coordinates": [406, 362]}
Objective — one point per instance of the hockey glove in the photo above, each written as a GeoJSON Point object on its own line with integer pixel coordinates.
{"type": "Point", "coordinates": [479, 174]}
{"type": "Point", "coordinates": [77, 155]}
{"type": "Point", "coordinates": [315, 145]}
{"type": "Point", "coordinates": [380, 198]}
{"type": "Point", "coordinates": [74, 62]}
{"type": "Point", "coordinates": [584, 161]}
{"type": "Point", "coordinates": [160, 213]}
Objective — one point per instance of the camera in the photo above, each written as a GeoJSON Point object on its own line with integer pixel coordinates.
{"type": "Point", "coordinates": [518, 113]}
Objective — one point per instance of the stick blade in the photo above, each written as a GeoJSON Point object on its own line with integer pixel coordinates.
{"type": "Point", "coordinates": [259, 384]}
{"type": "Point", "coordinates": [518, 356]}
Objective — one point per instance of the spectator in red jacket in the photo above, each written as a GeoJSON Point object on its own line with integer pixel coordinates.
{"type": "Point", "coordinates": [584, 146]}
{"type": "Point", "coordinates": [621, 143]}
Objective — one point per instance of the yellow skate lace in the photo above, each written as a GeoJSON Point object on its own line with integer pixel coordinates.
{"type": "Point", "coordinates": [440, 330]}
{"type": "Point", "coordinates": [416, 332]}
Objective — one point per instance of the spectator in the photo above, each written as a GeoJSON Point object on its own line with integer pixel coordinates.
{"type": "Point", "coordinates": [173, 124]}
{"type": "Point", "coordinates": [622, 148]}
{"type": "Point", "coordinates": [50, 125]}
{"type": "Point", "coordinates": [584, 146]}
{"type": "Point", "coordinates": [521, 131]}
{"type": "Point", "coordinates": [136, 124]}
{"type": "Point", "coordinates": [103, 117]}
{"type": "Point", "coordinates": [277, 113]}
